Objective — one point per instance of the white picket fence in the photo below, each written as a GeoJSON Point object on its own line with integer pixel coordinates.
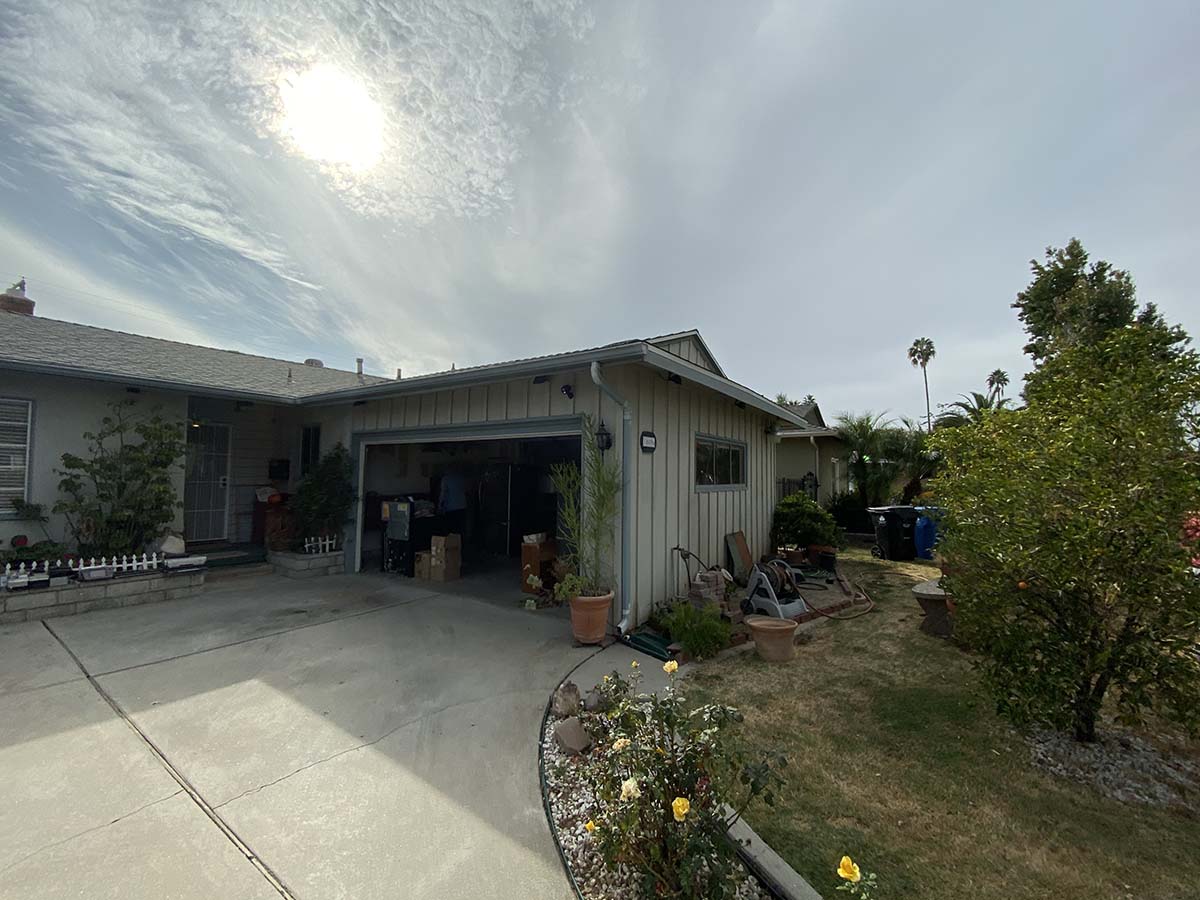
{"type": "Point", "coordinates": [320, 544]}
{"type": "Point", "coordinates": [124, 565]}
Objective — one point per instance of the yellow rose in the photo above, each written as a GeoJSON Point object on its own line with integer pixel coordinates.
{"type": "Point", "coordinates": [670, 666]}
{"type": "Point", "coordinates": [681, 807]}
{"type": "Point", "coordinates": [620, 744]}
{"type": "Point", "coordinates": [630, 789]}
{"type": "Point", "coordinates": [849, 869]}
{"type": "Point", "coordinates": [590, 826]}
{"type": "Point", "coordinates": [634, 664]}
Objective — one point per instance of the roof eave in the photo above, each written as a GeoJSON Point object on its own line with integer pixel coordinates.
{"type": "Point", "coordinates": [631, 351]}
{"type": "Point", "coordinates": [702, 376]}
{"type": "Point", "coordinates": [142, 382]}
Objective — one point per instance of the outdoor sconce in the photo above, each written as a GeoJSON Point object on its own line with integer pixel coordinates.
{"type": "Point", "coordinates": [568, 391]}
{"type": "Point", "coordinates": [603, 438]}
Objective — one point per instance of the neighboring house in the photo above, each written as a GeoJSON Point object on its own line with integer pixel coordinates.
{"type": "Point", "coordinates": [811, 458]}
{"type": "Point", "coordinates": [703, 447]}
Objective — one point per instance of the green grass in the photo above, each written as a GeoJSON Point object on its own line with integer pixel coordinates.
{"type": "Point", "coordinates": [898, 759]}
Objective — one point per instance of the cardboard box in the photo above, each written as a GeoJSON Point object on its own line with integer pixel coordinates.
{"type": "Point", "coordinates": [421, 562]}
{"type": "Point", "coordinates": [450, 542]}
{"type": "Point", "coordinates": [447, 567]}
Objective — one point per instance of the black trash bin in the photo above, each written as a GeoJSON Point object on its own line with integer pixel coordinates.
{"type": "Point", "coordinates": [895, 528]}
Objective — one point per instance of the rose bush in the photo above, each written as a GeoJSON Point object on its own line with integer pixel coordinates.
{"type": "Point", "coordinates": [668, 781]}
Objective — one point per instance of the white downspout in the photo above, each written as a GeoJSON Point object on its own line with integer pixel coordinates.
{"type": "Point", "coordinates": [812, 439]}
{"type": "Point", "coordinates": [627, 457]}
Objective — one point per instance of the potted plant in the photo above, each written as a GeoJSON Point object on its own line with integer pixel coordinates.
{"type": "Point", "coordinates": [589, 497]}
{"type": "Point", "coordinates": [800, 522]}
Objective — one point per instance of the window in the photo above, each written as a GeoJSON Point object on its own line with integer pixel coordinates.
{"type": "Point", "coordinates": [15, 416]}
{"type": "Point", "coordinates": [719, 463]}
{"type": "Point", "coordinates": [310, 448]}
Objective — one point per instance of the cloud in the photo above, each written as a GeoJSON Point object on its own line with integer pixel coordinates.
{"type": "Point", "coordinates": [811, 185]}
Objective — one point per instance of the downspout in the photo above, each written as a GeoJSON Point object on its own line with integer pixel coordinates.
{"type": "Point", "coordinates": [817, 455]}
{"type": "Point", "coordinates": [627, 457]}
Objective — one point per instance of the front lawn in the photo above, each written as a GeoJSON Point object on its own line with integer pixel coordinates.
{"type": "Point", "coordinates": [897, 758]}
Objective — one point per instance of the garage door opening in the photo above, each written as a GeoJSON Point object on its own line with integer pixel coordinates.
{"type": "Point", "coordinates": [491, 492]}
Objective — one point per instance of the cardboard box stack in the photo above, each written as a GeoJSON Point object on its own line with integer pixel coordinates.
{"type": "Point", "coordinates": [421, 565]}
{"type": "Point", "coordinates": [445, 558]}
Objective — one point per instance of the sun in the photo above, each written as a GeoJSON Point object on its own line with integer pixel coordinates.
{"type": "Point", "coordinates": [330, 116]}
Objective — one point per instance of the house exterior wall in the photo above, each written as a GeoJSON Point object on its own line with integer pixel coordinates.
{"type": "Point", "coordinates": [63, 409]}
{"type": "Point", "coordinates": [690, 349]}
{"type": "Point", "coordinates": [259, 432]}
{"type": "Point", "coordinates": [797, 457]}
{"type": "Point", "coordinates": [668, 508]}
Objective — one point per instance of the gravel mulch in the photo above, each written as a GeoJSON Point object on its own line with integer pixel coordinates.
{"type": "Point", "coordinates": [1123, 766]}
{"type": "Point", "coordinates": [570, 804]}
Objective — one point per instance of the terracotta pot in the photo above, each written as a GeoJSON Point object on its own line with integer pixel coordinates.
{"type": "Point", "coordinates": [589, 618]}
{"type": "Point", "coordinates": [795, 557]}
{"type": "Point", "coordinates": [774, 639]}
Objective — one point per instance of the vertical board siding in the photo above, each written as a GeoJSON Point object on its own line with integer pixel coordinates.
{"type": "Point", "coordinates": [667, 510]}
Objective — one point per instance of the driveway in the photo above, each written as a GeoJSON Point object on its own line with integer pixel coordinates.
{"type": "Point", "coordinates": [347, 737]}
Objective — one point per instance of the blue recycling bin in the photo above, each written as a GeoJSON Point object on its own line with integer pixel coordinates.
{"type": "Point", "coordinates": [925, 532]}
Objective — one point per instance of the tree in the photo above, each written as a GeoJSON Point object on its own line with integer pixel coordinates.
{"type": "Point", "coordinates": [865, 436]}
{"type": "Point", "coordinates": [1063, 530]}
{"type": "Point", "coordinates": [920, 354]}
{"type": "Point", "coordinates": [1069, 303]}
{"type": "Point", "coordinates": [971, 409]}
{"type": "Point", "coordinates": [325, 495]}
{"type": "Point", "coordinates": [907, 449]}
{"type": "Point", "coordinates": [782, 399]}
{"type": "Point", "coordinates": [997, 381]}
{"type": "Point", "coordinates": [123, 494]}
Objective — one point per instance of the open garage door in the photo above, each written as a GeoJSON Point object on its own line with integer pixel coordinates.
{"type": "Point", "coordinates": [491, 491]}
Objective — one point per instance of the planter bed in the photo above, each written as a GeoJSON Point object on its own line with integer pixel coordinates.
{"type": "Point", "coordinates": [80, 597]}
{"type": "Point", "coordinates": [567, 801]}
{"type": "Point", "coordinates": [307, 565]}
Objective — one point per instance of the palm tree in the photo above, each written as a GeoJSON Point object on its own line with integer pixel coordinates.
{"type": "Point", "coordinates": [971, 410]}
{"type": "Point", "coordinates": [907, 446]}
{"type": "Point", "coordinates": [919, 354]}
{"type": "Point", "coordinates": [997, 382]}
{"type": "Point", "coordinates": [865, 436]}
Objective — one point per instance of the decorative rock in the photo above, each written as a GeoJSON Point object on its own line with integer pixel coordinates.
{"type": "Point", "coordinates": [571, 736]}
{"type": "Point", "coordinates": [596, 702]}
{"type": "Point", "coordinates": [565, 701]}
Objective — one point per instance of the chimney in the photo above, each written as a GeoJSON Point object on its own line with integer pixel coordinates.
{"type": "Point", "coordinates": [399, 373]}
{"type": "Point", "coordinates": [359, 360]}
{"type": "Point", "coordinates": [14, 300]}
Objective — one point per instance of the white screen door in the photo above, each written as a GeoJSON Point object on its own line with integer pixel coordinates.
{"type": "Point", "coordinates": [206, 483]}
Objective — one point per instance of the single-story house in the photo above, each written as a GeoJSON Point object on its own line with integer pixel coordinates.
{"type": "Point", "coordinates": [699, 449]}
{"type": "Point", "coordinates": [811, 458]}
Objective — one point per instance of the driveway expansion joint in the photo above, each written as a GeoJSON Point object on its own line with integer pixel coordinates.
{"type": "Point", "coordinates": [185, 786]}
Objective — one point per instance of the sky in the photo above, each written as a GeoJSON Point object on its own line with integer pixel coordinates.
{"type": "Point", "coordinates": [812, 185]}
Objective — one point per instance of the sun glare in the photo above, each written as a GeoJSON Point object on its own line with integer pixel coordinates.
{"type": "Point", "coordinates": [329, 116]}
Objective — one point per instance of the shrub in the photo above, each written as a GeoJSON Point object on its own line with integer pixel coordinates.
{"type": "Point", "coordinates": [800, 522]}
{"type": "Point", "coordinates": [325, 495]}
{"type": "Point", "coordinates": [589, 499]}
{"type": "Point", "coordinates": [702, 632]}
{"type": "Point", "coordinates": [1064, 521]}
{"type": "Point", "coordinates": [668, 781]}
{"type": "Point", "coordinates": [123, 495]}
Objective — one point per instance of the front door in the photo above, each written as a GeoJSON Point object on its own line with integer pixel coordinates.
{"type": "Point", "coordinates": [206, 483]}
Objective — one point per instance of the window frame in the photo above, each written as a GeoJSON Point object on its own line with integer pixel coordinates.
{"type": "Point", "coordinates": [6, 509]}
{"type": "Point", "coordinates": [307, 465]}
{"type": "Point", "coordinates": [717, 444]}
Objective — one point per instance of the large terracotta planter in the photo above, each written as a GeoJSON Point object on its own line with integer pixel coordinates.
{"type": "Point", "coordinates": [589, 618]}
{"type": "Point", "coordinates": [774, 639]}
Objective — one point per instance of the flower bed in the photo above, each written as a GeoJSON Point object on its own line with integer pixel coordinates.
{"type": "Point", "coordinates": [643, 811]}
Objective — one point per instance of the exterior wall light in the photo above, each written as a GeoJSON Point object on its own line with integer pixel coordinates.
{"type": "Point", "coordinates": [603, 438]}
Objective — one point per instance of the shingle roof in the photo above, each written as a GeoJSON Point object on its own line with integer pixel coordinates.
{"type": "Point", "coordinates": [50, 346]}
{"type": "Point", "coordinates": [39, 344]}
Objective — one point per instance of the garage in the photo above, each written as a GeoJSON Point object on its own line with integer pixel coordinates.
{"type": "Point", "coordinates": [491, 491]}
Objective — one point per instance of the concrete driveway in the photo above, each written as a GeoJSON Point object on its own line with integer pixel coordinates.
{"type": "Point", "coordinates": [347, 737]}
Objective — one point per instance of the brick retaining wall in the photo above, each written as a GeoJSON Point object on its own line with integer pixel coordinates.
{"type": "Point", "coordinates": [307, 565]}
{"type": "Point", "coordinates": [80, 597]}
